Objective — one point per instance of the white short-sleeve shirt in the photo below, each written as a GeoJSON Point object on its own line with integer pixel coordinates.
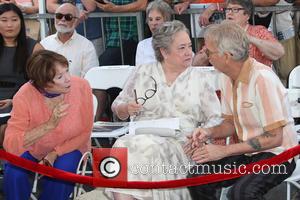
{"type": "Point", "coordinates": [79, 51]}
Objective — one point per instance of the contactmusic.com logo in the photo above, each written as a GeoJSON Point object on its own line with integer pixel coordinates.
{"type": "Point", "coordinates": [110, 163]}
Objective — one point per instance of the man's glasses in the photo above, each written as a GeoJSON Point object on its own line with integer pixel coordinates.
{"type": "Point", "coordinates": [209, 53]}
{"type": "Point", "coordinates": [233, 10]}
{"type": "Point", "coordinates": [148, 94]}
{"type": "Point", "coordinates": [68, 17]}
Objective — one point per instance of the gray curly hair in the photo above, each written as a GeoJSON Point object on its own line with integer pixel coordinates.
{"type": "Point", "coordinates": [160, 6]}
{"type": "Point", "coordinates": [164, 36]}
{"type": "Point", "coordinates": [229, 37]}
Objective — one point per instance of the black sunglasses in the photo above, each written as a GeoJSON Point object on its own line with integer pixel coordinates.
{"type": "Point", "coordinates": [68, 17]}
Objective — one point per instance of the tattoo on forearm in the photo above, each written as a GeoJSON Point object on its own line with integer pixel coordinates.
{"type": "Point", "coordinates": [254, 143]}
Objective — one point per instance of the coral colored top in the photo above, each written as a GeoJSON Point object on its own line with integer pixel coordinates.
{"type": "Point", "coordinates": [30, 110]}
{"type": "Point", "coordinates": [262, 33]}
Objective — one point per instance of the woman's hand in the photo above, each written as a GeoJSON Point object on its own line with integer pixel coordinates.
{"type": "Point", "coordinates": [204, 17]}
{"type": "Point", "coordinates": [107, 6]}
{"type": "Point", "coordinates": [50, 159]}
{"type": "Point", "coordinates": [5, 103]}
{"type": "Point", "coordinates": [33, 135]}
{"type": "Point", "coordinates": [58, 113]}
{"type": "Point", "coordinates": [187, 147]}
{"type": "Point", "coordinates": [181, 7]}
{"type": "Point", "coordinates": [83, 15]}
{"type": "Point", "coordinates": [7, 1]}
{"type": "Point", "coordinates": [133, 108]}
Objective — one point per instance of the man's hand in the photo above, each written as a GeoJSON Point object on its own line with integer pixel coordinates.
{"type": "Point", "coordinates": [209, 152]}
{"type": "Point", "coordinates": [5, 103]}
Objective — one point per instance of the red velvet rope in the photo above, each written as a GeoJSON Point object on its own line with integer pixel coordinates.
{"type": "Point", "coordinates": [100, 182]}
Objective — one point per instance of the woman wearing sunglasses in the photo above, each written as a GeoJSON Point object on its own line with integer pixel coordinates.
{"type": "Point", "coordinates": [164, 89]}
{"type": "Point", "coordinates": [15, 48]}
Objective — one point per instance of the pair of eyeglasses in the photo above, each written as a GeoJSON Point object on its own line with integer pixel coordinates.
{"type": "Point", "coordinates": [233, 10]}
{"type": "Point", "coordinates": [148, 94]}
{"type": "Point", "coordinates": [209, 53]}
{"type": "Point", "coordinates": [68, 17]}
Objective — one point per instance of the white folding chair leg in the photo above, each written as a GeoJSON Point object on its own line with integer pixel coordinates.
{"type": "Point", "coordinates": [224, 191]}
{"type": "Point", "coordinates": [288, 191]}
{"type": "Point", "coordinates": [81, 169]}
{"type": "Point", "coordinates": [288, 188]}
{"type": "Point", "coordinates": [97, 142]}
{"type": "Point", "coordinates": [34, 187]}
{"type": "Point", "coordinates": [292, 180]}
{"type": "Point", "coordinates": [33, 197]}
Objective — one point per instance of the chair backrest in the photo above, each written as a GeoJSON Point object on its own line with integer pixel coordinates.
{"type": "Point", "coordinates": [95, 104]}
{"type": "Point", "coordinates": [294, 78]}
{"type": "Point", "coordinates": [105, 77]}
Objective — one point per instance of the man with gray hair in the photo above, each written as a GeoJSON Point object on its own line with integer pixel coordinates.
{"type": "Point", "coordinates": [254, 107]}
{"type": "Point", "coordinates": [79, 51]}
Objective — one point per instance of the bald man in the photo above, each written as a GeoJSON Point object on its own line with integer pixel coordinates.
{"type": "Point", "coordinates": [79, 51]}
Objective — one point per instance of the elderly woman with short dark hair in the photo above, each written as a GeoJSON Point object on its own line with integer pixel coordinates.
{"type": "Point", "coordinates": [165, 89]}
{"type": "Point", "coordinates": [51, 121]}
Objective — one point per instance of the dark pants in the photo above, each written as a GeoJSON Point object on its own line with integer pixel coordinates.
{"type": "Point", "coordinates": [18, 187]}
{"type": "Point", "coordinates": [112, 55]}
{"type": "Point", "coordinates": [252, 186]}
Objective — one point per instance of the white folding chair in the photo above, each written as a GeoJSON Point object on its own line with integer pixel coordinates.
{"type": "Point", "coordinates": [87, 158]}
{"type": "Point", "coordinates": [293, 180]}
{"type": "Point", "coordinates": [297, 128]}
{"type": "Point", "coordinates": [95, 104]}
{"type": "Point", "coordinates": [294, 78]}
{"type": "Point", "coordinates": [103, 78]}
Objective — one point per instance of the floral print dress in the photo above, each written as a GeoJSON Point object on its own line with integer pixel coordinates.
{"type": "Point", "coordinates": [192, 99]}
